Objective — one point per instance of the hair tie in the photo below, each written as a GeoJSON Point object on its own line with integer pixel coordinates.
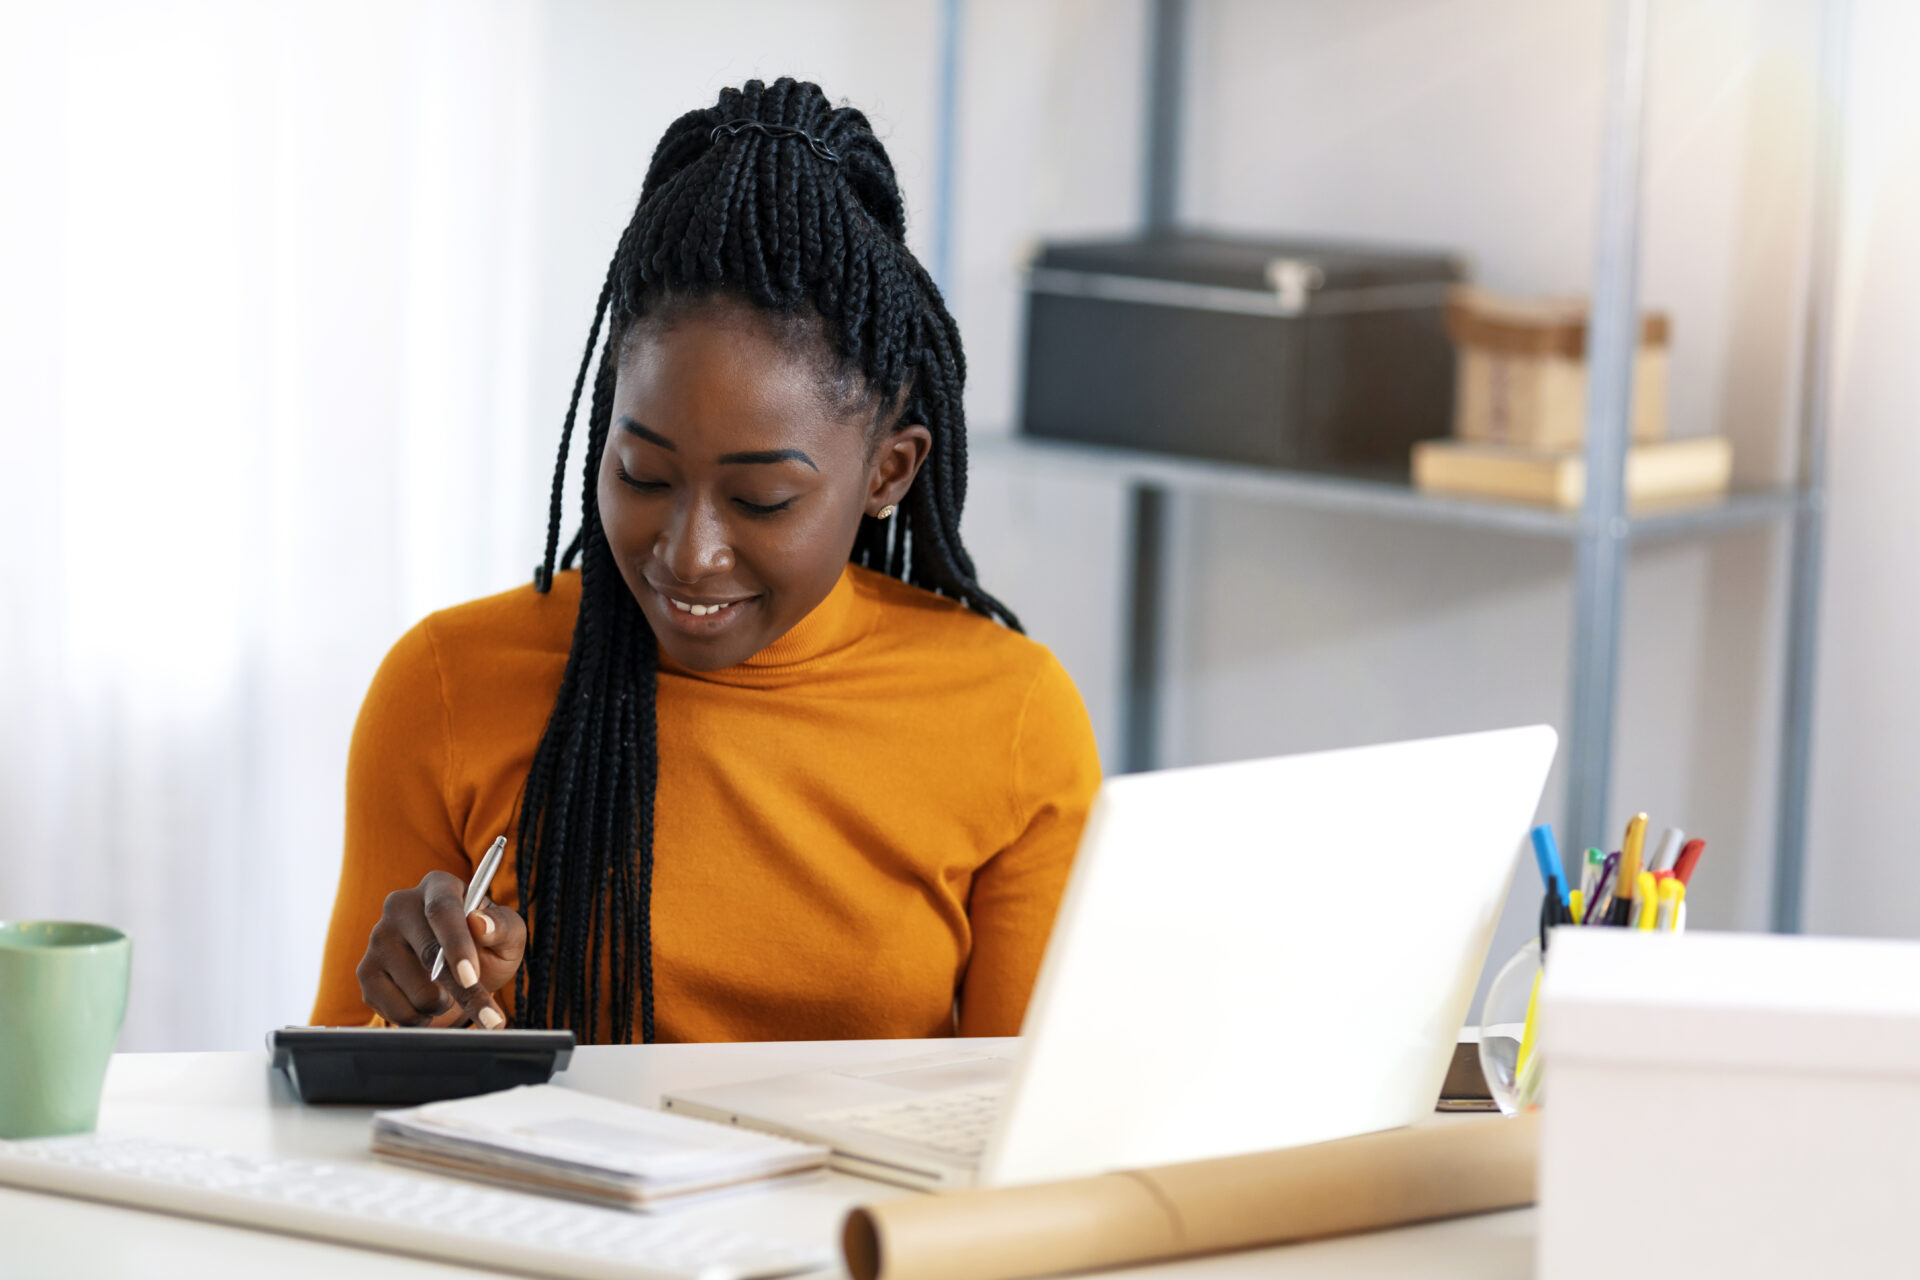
{"type": "Point", "coordinates": [733, 128]}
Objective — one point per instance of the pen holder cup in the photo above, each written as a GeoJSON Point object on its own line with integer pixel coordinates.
{"type": "Point", "coordinates": [1509, 1033]}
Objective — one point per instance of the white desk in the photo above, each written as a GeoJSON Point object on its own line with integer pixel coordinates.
{"type": "Point", "coordinates": [234, 1101]}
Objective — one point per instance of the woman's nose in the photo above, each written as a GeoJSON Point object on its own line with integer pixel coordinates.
{"type": "Point", "coordinates": [694, 543]}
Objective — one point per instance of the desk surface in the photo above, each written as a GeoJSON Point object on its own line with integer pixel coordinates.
{"type": "Point", "coordinates": [234, 1101]}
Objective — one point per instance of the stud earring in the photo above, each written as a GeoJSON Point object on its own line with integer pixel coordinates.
{"type": "Point", "coordinates": [884, 512]}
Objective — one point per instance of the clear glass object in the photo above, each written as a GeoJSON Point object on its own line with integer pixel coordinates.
{"type": "Point", "coordinates": [1509, 1056]}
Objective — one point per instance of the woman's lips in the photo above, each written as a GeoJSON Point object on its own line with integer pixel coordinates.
{"type": "Point", "coordinates": [702, 617]}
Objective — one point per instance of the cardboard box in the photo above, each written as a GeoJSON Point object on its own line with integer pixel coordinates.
{"type": "Point", "coordinates": [1728, 1105]}
{"type": "Point", "coordinates": [1522, 376]}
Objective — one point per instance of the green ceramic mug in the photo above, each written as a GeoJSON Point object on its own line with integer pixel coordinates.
{"type": "Point", "coordinates": [63, 993]}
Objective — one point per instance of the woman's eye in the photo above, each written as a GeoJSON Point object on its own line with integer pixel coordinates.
{"type": "Point", "coordinates": [661, 486]}
{"type": "Point", "coordinates": [759, 509]}
{"type": "Point", "coordinates": [644, 486]}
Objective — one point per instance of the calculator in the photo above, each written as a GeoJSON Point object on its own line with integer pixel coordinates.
{"type": "Point", "coordinates": [400, 1066]}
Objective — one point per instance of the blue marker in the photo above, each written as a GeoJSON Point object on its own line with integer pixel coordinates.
{"type": "Point", "coordinates": [1547, 853]}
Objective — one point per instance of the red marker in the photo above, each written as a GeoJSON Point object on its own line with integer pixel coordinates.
{"type": "Point", "coordinates": [1689, 859]}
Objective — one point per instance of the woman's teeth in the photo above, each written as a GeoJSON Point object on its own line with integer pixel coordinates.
{"type": "Point", "coordinates": [701, 610]}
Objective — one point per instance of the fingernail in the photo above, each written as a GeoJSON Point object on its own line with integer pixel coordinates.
{"type": "Point", "coordinates": [489, 1019]}
{"type": "Point", "coordinates": [486, 923]}
{"type": "Point", "coordinates": [468, 974]}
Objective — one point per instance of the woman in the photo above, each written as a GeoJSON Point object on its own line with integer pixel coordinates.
{"type": "Point", "coordinates": [771, 764]}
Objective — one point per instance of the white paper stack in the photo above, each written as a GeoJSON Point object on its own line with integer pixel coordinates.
{"type": "Point", "coordinates": [561, 1141]}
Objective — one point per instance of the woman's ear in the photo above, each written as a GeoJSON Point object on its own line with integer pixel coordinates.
{"type": "Point", "coordinates": [896, 462]}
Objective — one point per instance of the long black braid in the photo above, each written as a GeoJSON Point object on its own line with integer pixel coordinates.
{"type": "Point", "coordinates": [804, 221]}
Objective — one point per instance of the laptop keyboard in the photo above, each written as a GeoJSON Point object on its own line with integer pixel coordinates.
{"type": "Point", "coordinates": [956, 1123]}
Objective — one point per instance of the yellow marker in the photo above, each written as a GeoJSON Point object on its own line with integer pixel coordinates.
{"type": "Point", "coordinates": [1576, 903]}
{"type": "Point", "coordinates": [1680, 909]}
{"type": "Point", "coordinates": [1632, 847]}
{"type": "Point", "coordinates": [1671, 891]}
{"type": "Point", "coordinates": [1625, 876]}
{"type": "Point", "coordinates": [1526, 1032]}
{"type": "Point", "coordinates": [1645, 900]}
{"type": "Point", "coordinates": [1527, 1085]}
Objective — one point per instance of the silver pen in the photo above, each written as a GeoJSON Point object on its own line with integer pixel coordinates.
{"type": "Point", "coordinates": [476, 891]}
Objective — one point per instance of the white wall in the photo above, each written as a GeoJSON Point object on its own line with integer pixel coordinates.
{"type": "Point", "coordinates": [1052, 108]}
{"type": "Point", "coordinates": [1474, 124]}
{"type": "Point", "coordinates": [1863, 875]}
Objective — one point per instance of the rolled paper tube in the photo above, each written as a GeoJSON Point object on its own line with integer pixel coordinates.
{"type": "Point", "coordinates": [1437, 1169]}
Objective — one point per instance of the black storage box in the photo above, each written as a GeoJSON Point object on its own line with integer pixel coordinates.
{"type": "Point", "coordinates": [1275, 352]}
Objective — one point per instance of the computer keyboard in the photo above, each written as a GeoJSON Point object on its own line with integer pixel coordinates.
{"type": "Point", "coordinates": [957, 1122]}
{"type": "Point", "coordinates": [365, 1205]}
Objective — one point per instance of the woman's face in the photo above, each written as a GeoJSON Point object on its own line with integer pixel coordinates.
{"type": "Point", "coordinates": [734, 480]}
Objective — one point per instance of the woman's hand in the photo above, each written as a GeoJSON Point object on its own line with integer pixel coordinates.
{"type": "Point", "coordinates": [483, 952]}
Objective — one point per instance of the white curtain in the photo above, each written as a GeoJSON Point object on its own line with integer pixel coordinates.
{"type": "Point", "coordinates": [264, 401]}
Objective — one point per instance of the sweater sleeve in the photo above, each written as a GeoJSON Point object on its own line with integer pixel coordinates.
{"type": "Point", "coordinates": [398, 821]}
{"type": "Point", "coordinates": [1056, 770]}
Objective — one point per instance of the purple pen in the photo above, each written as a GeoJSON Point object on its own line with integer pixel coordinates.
{"type": "Point", "coordinates": [1600, 888]}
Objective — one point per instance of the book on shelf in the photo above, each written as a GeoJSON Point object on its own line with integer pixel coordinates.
{"type": "Point", "coordinates": [1658, 472]}
{"type": "Point", "coordinates": [561, 1141]}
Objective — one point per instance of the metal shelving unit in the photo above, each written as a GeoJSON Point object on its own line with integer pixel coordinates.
{"type": "Point", "coordinates": [1602, 531]}
{"type": "Point", "coordinates": [1395, 500]}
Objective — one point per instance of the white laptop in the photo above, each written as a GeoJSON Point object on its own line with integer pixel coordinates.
{"type": "Point", "coordinates": [1248, 956]}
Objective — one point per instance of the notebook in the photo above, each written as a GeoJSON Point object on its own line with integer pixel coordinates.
{"type": "Point", "coordinates": [564, 1142]}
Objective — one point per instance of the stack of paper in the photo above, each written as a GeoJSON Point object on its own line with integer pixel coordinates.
{"type": "Point", "coordinates": [561, 1141]}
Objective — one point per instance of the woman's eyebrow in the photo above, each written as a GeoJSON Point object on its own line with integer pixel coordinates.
{"type": "Point", "coordinates": [651, 437]}
{"type": "Point", "coordinates": [767, 455]}
{"type": "Point", "coordinates": [758, 455]}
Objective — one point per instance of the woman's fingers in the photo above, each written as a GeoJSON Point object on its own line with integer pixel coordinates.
{"type": "Point", "coordinates": [501, 934]}
{"type": "Point", "coordinates": [482, 951]}
{"type": "Point", "coordinates": [386, 998]}
{"type": "Point", "coordinates": [470, 972]}
{"type": "Point", "coordinates": [403, 949]}
{"type": "Point", "coordinates": [404, 946]}
{"type": "Point", "coordinates": [501, 938]}
{"type": "Point", "coordinates": [445, 912]}
{"type": "Point", "coordinates": [490, 1015]}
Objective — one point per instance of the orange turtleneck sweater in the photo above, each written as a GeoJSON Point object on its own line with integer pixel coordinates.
{"type": "Point", "coordinates": [868, 820]}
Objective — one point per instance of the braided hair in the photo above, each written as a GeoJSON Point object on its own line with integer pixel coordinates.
{"type": "Point", "coordinates": [774, 197]}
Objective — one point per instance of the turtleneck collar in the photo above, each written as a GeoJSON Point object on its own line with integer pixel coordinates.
{"type": "Point", "coordinates": [834, 626]}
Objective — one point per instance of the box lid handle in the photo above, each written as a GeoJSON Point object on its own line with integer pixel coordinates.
{"type": "Point", "coordinates": [1292, 280]}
